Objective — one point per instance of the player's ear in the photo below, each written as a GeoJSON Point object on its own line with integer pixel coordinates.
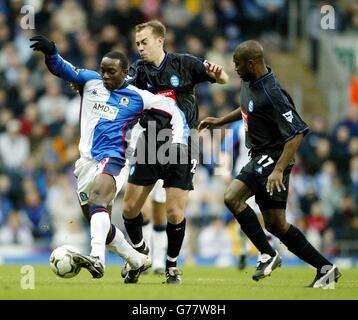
{"type": "Point", "coordinates": [161, 41]}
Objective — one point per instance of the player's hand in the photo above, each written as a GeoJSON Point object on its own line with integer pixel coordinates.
{"type": "Point", "coordinates": [274, 180]}
{"type": "Point", "coordinates": [74, 87]}
{"type": "Point", "coordinates": [213, 68]}
{"type": "Point", "coordinates": [209, 123]}
{"type": "Point", "coordinates": [42, 44]}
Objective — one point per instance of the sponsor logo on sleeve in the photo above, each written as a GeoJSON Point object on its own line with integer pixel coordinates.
{"type": "Point", "coordinates": [289, 116]}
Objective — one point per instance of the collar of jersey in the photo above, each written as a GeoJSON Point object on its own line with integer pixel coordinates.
{"type": "Point", "coordinates": [124, 85]}
{"type": "Point", "coordinates": [161, 64]}
{"type": "Point", "coordinates": [257, 81]}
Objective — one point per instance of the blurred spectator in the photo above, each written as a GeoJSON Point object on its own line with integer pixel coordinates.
{"type": "Point", "coordinates": [6, 204]}
{"type": "Point", "coordinates": [65, 213]}
{"type": "Point", "coordinates": [321, 153]}
{"type": "Point", "coordinates": [215, 242]}
{"type": "Point", "coordinates": [318, 129]}
{"type": "Point", "coordinates": [14, 147]}
{"type": "Point", "coordinates": [43, 16]}
{"type": "Point", "coordinates": [98, 15]}
{"type": "Point", "coordinates": [354, 177]}
{"type": "Point", "coordinates": [275, 15]}
{"type": "Point", "coordinates": [351, 121]}
{"type": "Point", "coordinates": [176, 16]}
{"type": "Point", "coordinates": [108, 40]}
{"type": "Point", "coordinates": [36, 212]}
{"type": "Point", "coordinates": [340, 145]}
{"type": "Point", "coordinates": [65, 146]}
{"type": "Point", "coordinates": [69, 18]}
{"type": "Point", "coordinates": [316, 223]}
{"type": "Point", "coordinates": [16, 230]}
{"type": "Point", "coordinates": [228, 18]}
{"type": "Point", "coordinates": [205, 21]}
{"type": "Point", "coordinates": [52, 106]}
{"type": "Point", "coordinates": [353, 147]}
{"type": "Point", "coordinates": [123, 17]}
{"type": "Point", "coordinates": [221, 54]}
{"type": "Point", "coordinates": [5, 117]}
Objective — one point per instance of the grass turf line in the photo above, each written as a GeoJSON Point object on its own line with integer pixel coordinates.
{"type": "Point", "coordinates": [199, 283]}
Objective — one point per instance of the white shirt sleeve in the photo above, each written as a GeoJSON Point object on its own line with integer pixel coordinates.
{"type": "Point", "coordinates": [180, 128]}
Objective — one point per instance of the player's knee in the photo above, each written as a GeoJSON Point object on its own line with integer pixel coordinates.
{"type": "Point", "coordinates": [98, 197]}
{"type": "Point", "coordinates": [175, 214]}
{"type": "Point", "coordinates": [130, 209]}
{"type": "Point", "coordinates": [278, 229]}
{"type": "Point", "coordinates": [233, 203]}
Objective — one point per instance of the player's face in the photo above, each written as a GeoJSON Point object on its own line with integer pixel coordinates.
{"type": "Point", "coordinates": [149, 45]}
{"type": "Point", "coordinates": [112, 73]}
{"type": "Point", "coordinates": [243, 68]}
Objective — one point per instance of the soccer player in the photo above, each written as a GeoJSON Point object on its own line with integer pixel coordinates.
{"type": "Point", "coordinates": [173, 75]}
{"type": "Point", "coordinates": [109, 108]}
{"type": "Point", "coordinates": [239, 159]}
{"type": "Point", "coordinates": [274, 131]}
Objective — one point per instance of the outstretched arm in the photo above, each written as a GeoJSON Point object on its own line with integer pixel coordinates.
{"type": "Point", "coordinates": [211, 122]}
{"type": "Point", "coordinates": [60, 67]}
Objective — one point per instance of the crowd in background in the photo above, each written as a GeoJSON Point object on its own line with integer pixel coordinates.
{"type": "Point", "coordinates": [39, 118]}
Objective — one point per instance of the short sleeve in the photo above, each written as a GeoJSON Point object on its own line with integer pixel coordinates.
{"type": "Point", "coordinates": [284, 114]}
{"type": "Point", "coordinates": [197, 69]}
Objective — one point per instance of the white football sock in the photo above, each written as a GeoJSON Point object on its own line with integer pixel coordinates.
{"type": "Point", "coordinates": [121, 247]}
{"type": "Point", "coordinates": [147, 231]}
{"type": "Point", "coordinates": [159, 248]}
{"type": "Point", "coordinates": [100, 225]}
{"type": "Point", "coordinates": [245, 243]}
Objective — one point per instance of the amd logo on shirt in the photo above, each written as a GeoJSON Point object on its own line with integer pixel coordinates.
{"type": "Point", "coordinates": [105, 111]}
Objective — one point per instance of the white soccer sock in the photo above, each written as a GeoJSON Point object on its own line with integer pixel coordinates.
{"type": "Point", "coordinates": [147, 231]}
{"type": "Point", "coordinates": [159, 248]}
{"type": "Point", "coordinates": [100, 225]}
{"type": "Point", "coordinates": [121, 247]}
{"type": "Point", "coordinates": [245, 243]}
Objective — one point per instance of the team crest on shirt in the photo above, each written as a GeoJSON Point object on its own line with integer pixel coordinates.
{"type": "Point", "coordinates": [124, 101]}
{"type": "Point", "coordinates": [83, 196]}
{"type": "Point", "coordinates": [174, 80]}
{"type": "Point", "coordinates": [250, 106]}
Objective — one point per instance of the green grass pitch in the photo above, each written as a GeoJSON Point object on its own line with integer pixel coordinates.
{"type": "Point", "coordinates": [202, 283]}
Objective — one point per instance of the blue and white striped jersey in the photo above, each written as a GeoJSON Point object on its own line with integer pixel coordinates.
{"type": "Point", "coordinates": [106, 115]}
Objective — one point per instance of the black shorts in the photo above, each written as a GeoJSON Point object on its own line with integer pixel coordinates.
{"type": "Point", "coordinates": [255, 173]}
{"type": "Point", "coordinates": [176, 171]}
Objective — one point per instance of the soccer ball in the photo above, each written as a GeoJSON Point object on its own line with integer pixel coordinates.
{"type": "Point", "coordinates": [61, 262]}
